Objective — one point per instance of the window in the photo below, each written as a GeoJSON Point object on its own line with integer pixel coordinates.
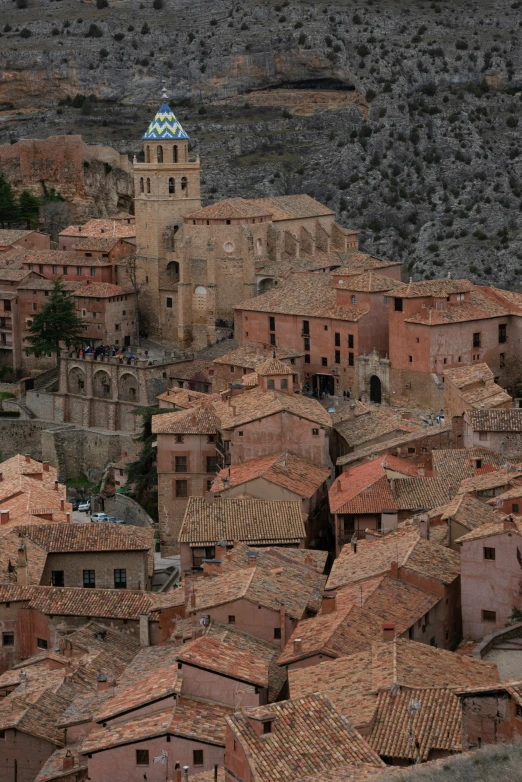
{"type": "Point", "coordinates": [181, 464]}
{"type": "Point", "coordinates": [35, 307]}
{"type": "Point", "coordinates": [476, 339]}
{"type": "Point", "coordinates": [337, 339]}
{"type": "Point", "coordinates": [337, 359]}
{"type": "Point", "coordinates": [272, 339]}
{"type": "Point", "coordinates": [489, 553]}
{"type": "Point", "coordinates": [79, 271]}
{"type": "Point", "coordinates": [411, 450]}
{"type": "Point", "coordinates": [326, 328]}
{"type": "Point", "coordinates": [209, 484]}
{"type": "Point", "coordinates": [212, 464]}
{"type": "Point", "coordinates": [410, 633]}
{"type": "Point", "coordinates": [354, 299]}
{"type": "Point", "coordinates": [142, 757]}
{"type": "Point", "coordinates": [315, 432]}
{"type": "Point", "coordinates": [7, 639]}
{"type": "Point", "coordinates": [141, 185]}
{"type": "Point", "coordinates": [483, 435]}
{"type": "Point", "coordinates": [417, 340]}
{"type": "Point", "coordinates": [55, 269]}
{"type": "Point", "coordinates": [57, 578]}
{"type": "Point", "coordinates": [89, 579]}
{"type": "Point", "coordinates": [385, 301]}
{"type": "Point", "coordinates": [267, 727]}
{"type": "Point", "coordinates": [410, 359]}
{"type": "Point", "coordinates": [514, 507]}
{"type": "Point", "coordinates": [307, 358]}
{"type": "Point", "coordinates": [397, 304]}
{"type": "Point", "coordinates": [433, 642]}
{"type": "Point", "coordinates": [324, 362]}
{"type": "Point", "coordinates": [228, 247]}
{"type": "Point", "coordinates": [489, 616]}
{"type": "Point", "coordinates": [277, 632]}
{"type": "Point", "coordinates": [271, 384]}
{"type": "Point", "coordinates": [307, 343]}
{"type": "Point", "coordinates": [502, 336]}
{"type": "Point", "coordinates": [350, 341]}
{"type": "Point", "coordinates": [120, 578]}
{"type": "Point", "coordinates": [197, 757]}
{"type": "Point", "coordinates": [350, 359]}
{"type": "Point", "coordinates": [460, 297]}
{"type": "Point", "coordinates": [179, 438]}
{"type": "Point", "coordinates": [211, 438]}
{"type": "Point", "coordinates": [181, 489]}
{"type": "Point", "coordinates": [169, 302]}
{"type": "Point", "coordinates": [306, 327]}
{"type": "Point", "coordinates": [41, 643]}
{"type": "Point", "coordinates": [65, 270]}
{"type": "Point", "coordinates": [117, 326]}
{"type": "Point", "coordinates": [184, 184]}
{"type": "Point", "coordinates": [148, 185]}
{"type": "Point", "coordinates": [284, 384]}
{"type": "Point", "coordinates": [232, 370]}
{"type": "Point", "coordinates": [271, 324]}
{"type": "Point", "coordinates": [171, 185]}
{"type": "Point", "coordinates": [231, 619]}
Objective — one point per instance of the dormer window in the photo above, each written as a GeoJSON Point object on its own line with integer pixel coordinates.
{"type": "Point", "coordinates": [267, 727]}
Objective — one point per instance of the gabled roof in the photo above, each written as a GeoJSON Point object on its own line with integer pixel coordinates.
{"type": "Point", "coordinates": [292, 207]}
{"type": "Point", "coordinates": [514, 526]}
{"type": "Point", "coordinates": [413, 494]}
{"type": "Point", "coordinates": [284, 469]}
{"type": "Point", "coordinates": [101, 603]}
{"type": "Point", "coordinates": [308, 737]}
{"type": "Point", "coordinates": [478, 307]}
{"type": "Point", "coordinates": [61, 538]}
{"type": "Point", "coordinates": [97, 227]}
{"type": "Point", "coordinates": [362, 489]}
{"type": "Point", "coordinates": [404, 546]}
{"type": "Point", "coordinates": [371, 282]}
{"type": "Point", "coordinates": [250, 520]}
{"type": "Point", "coordinates": [455, 464]}
{"type": "Point", "coordinates": [471, 512]}
{"type": "Point", "coordinates": [11, 235]}
{"type": "Point", "coordinates": [256, 404]}
{"type": "Point", "coordinates": [98, 243]}
{"type": "Point", "coordinates": [230, 208]}
{"type": "Point", "coordinates": [228, 651]}
{"type": "Point", "coordinates": [164, 125]}
{"type": "Point", "coordinates": [53, 769]}
{"type": "Point", "coordinates": [367, 424]}
{"type": "Point", "coordinates": [353, 682]}
{"type": "Point", "coordinates": [156, 686]}
{"type": "Point", "coordinates": [504, 420]}
{"type": "Point", "coordinates": [438, 288]}
{"type": "Point", "coordinates": [251, 356]}
{"type": "Point", "coordinates": [272, 366]}
{"type": "Point", "coordinates": [491, 480]}
{"type": "Point", "coordinates": [201, 419]}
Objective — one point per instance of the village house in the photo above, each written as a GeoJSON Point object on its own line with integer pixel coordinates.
{"type": "Point", "coordinates": [208, 521]}
{"type": "Point", "coordinates": [491, 567]}
{"type": "Point", "coordinates": [54, 264]}
{"type": "Point", "coordinates": [108, 228]}
{"type": "Point", "coordinates": [510, 501]}
{"type": "Point", "coordinates": [25, 238]}
{"type": "Point", "coordinates": [195, 375]}
{"type": "Point", "coordinates": [491, 484]}
{"type": "Point", "coordinates": [261, 743]}
{"type": "Point", "coordinates": [455, 465]}
{"type": "Point", "coordinates": [230, 368]}
{"type": "Point", "coordinates": [472, 388]}
{"type": "Point", "coordinates": [498, 430]}
{"type": "Point", "coordinates": [461, 515]}
{"type": "Point", "coordinates": [182, 398]}
{"type": "Point", "coordinates": [491, 714]}
{"type": "Point", "coordinates": [282, 477]}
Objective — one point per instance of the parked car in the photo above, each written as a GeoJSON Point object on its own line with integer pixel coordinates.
{"type": "Point", "coordinates": [75, 504]}
{"type": "Point", "coordinates": [99, 517]}
{"type": "Point", "coordinates": [111, 518]}
{"type": "Point", "coordinates": [86, 505]}
{"type": "Point", "coordinates": [120, 521]}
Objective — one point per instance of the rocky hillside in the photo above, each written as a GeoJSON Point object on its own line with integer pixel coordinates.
{"type": "Point", "coordinates": [405, 117]}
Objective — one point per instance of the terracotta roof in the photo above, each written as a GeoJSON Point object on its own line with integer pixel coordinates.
{"type": "Point", "coordinates": [100, 290]}
{"type": "Point", "coordinates": [490, 480]}
{"type": "Point", "coordinates": [53, 766]}
{"type": "Point", "coordinates": [13, 275]}
{"type": "Point", "coordinates": [471, 512]}
{"type": "Point", "coordinates": [291, 207]}
{"type": "Point", "coordinates": [98, 243]}
{"type": "Point", "coordinates": [250, 356]}
{"type": "Point", "coordinates": [307, 262]}
{"type": "Point", "coordinates": [152, 688]}
{"type": "Point", "coordinates": [256, 404]}
{"type": "Point", "coordinates": [510, 494]}
{"type": "Point", "coordinates": [10, 543]}
{"type": "Point", "coordinates": [414, 494]}
{"type": "Point", "coordinates": [230, 208]}
{"type": "Point", "coordinates": [190, 718]}
{"type": "Point", "coordinates": [11, 235]}
{"type": "Point", "coordinates": [191, 370]}
{"type": "Point", "coordinates": [458, 463]}
{"type": "Point", "coordinates": [404, 546]}
{"type": "Point", "coordinates": [369, 424]}
{"type": "Point", "coordinates": [374, 448]}
{"type": "Point", "coordinates": [353, 682]}
{"type": "Point", "coordinates": [477, 386]}
{"type": "Point", "coordinates": [493, 529]}
{"type": "Point", "coordinates": [252, 520]}
{"type": "Point", "coordinates": [438, 288]}
{"type": "Point", "coordinates": [308, 736]}
{"type": "Point", "coordinates": [59, 538]}
{"type": "Point", "coordinates": [60, 258]}
{"type": "Point", "coordinates": [436, 724]}
{"type": "Point", "coordinates": [505, 420]}
{"type": "Point", "coordinates": [370, 282]}
{"type": "Point", "coordinates": [362, 489]}
{"type": "Point", "coordinates": [461, 377]}
{"type": "Point", "coordinates": [237, 655]}
{"type": "Point", "coordinates": [272, 366]}
{"type": "Point", "coordinates": [478, 307]}
{"type": "Point", "coordinates": [200, 419]}
{"type": "Point", "coordinates": [311, 295]}
{"type": "Point", "coordinates": [184, 397]}
{"type": "Point", "coordinates": [359, 261]}
{"type": "Point", "coordinates": [101, 603]}
{"type": "Point", "coordinates": [284, 469]}
{"type": "Point", "coordinates": [358, 619]}
{"type": "Point", "coordinates": [97, 227]}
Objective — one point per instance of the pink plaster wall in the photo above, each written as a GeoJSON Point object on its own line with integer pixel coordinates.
{"type": "Point", "coordinates": [224, 690]}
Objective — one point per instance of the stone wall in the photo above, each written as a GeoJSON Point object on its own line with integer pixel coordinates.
{"type": "Point", "coordinates": [21, 436]}
{"type": "Point", "coordinates": [126, 508]}
{"type": "Point", "coordinates": [418, 389]}
{"type": "Point", "coordinates": [77, 451]}
{"type": "Point", "coordinates": [40, 403]}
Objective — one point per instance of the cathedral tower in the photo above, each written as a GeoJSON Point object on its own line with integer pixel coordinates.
{"type": "Point", "coordinates": [166, 186]}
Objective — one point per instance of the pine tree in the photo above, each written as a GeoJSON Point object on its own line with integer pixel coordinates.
{"type": "Point", "coordinates": [28, 208]}
{"type": "Point", "coordinates": [56, 324]}
{"type": "Point", "coordinates": [8, 205]}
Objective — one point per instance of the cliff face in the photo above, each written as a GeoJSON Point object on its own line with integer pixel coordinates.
{"type": "Point", "coordinates": [404, 117]}
{"type": "Point", "coordinates": [95, 180]}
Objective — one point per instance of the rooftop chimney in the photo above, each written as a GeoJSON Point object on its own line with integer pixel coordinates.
{"type": "Point", "coordinates": [252, 558]}
{"type": "Point", "coordinates": [62, 504]}
{"type": "Point", "coordinates": [56, 485]}
{"type": "Point", "coordinates": [394, 570]}
{"type": "Point", "coordinates": [212, 567]}
{"type": "Point", "coordinates": [68, 761]}
{"type": "Point", "coordinates": [309, 560]}
{"type": "Point", "coordinates": [45, 466]}
{"type": "Point", "coordinates": [509, 523]}
{"type": "Point", "coordinates": [351, 411]}
{"type": "Point", "coordinates": [185, 773]}
{"type": "Point", "coordinates": [1, 476]}
{"type": "Point", "coordinates": [27, 457]}
{"type": "Point", "coordinates": [339, 487]}
{"type": "Point", "coordinates": [298, 645]}
{"type": "Point", "coordinates": [388, 632]}
{"type": "Point", "coordinates": [329, 602]}
{"type": "Point", "coordinates": [102, 682]}
{"type": "Point", "coordinates": [4, 517]}
{"type": "Point", "coordinates": [177, 772]}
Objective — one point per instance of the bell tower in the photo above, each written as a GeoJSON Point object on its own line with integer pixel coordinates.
{"type": "Point", "coordinates": [166, 187]}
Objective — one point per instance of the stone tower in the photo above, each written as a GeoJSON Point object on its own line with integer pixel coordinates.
{"type": "Point", "coordinates": [166, 186]}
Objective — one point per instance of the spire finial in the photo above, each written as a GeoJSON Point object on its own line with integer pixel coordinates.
{"type": "Point", "coordinates": [164, 94]}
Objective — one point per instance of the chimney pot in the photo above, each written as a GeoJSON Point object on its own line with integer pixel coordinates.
{"type": "Point", "coordinates": [68, 515]}
{"type": "Point", "coordinates": [56, 485]}
{"type": "Point", "coordinates": [62, 504]}
{"type": "Point", "coordinates": [394, 570]}
{"type": "Point", "coordinates": [4, 517]}
{"type": "Point", "coordinates": [45, 466]}
{"type": "Point", "coordinates": [252, 558]}
{"type": "Point", "coordinates": [27, 457]}
{"type": "Point", "coordinates": [102, 683]}
{"type": "Point", "coordinates": [185, 773]}
{"type": "Point", "coordinates": [329, 602]}
{"type": "Point", "coordinates": [339, 487]}
{"type": "Point", "coordinates": [68, 761]}
{"type": "Point", "coordinates": [177, 772]}
{"type": "Point", "coordinates": [298, 645]}
{"type": "Point", "coordinates": [388, 632]}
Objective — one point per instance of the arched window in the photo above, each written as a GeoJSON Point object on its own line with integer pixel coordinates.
{"type": "Point", "coordinates": [159, 153]}
{"type": "Point", "coordinates": [141, 185]}
{"type": "Point", "coordinates": [259, 246]}
{"type": "Point", "coordinates": [171, 185]}
{"type": "Point", "coordinates": [147, 154]}
{"type": "Point", "coordinates": [175, 153]}
{"type": "Point", "coordinates": [148, 185]}
{"type": "Point", "coordinates": [184, 184]}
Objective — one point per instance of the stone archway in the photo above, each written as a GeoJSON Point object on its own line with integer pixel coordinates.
{"type": "Point", "coordinates": [265, 285]}
{"type": "Point", "coordinates": [128, 388]}
{"type": "Point", "coordinates": [77, 381]}
{"type": "Point", "coordinates": [101, 385]}
{"type": "Point", "coordinates": [375, 390]}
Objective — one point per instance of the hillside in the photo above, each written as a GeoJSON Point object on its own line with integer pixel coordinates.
{"type": "Point", "coordinates": [405, 117]}
{"type": "Point", "coordinates": [491, 764]}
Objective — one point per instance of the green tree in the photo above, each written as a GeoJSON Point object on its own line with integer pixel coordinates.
{"type": "Point", "coordinates": [56, 324]}
{"type": "Point", "coordinates": [28, 208]}
{"type": "Point", "coordinates": [142, 473]}
{"type": "Point", "coordinates": [8, 205]}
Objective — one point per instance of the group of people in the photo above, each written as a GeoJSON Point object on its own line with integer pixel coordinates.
{"type": "Point", "coordinates": [104, 351]}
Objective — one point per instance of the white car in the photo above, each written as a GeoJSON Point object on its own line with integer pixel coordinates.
{"type": "Point", "coordinates": [84, 505]}
{"type": "Point", "coordinates": [99, 517]}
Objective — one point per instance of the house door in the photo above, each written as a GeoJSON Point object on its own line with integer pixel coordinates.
{"type": "Point", "coordinates": [127, 342]}
{"type": "Point", "coordinates": [375, 389]}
